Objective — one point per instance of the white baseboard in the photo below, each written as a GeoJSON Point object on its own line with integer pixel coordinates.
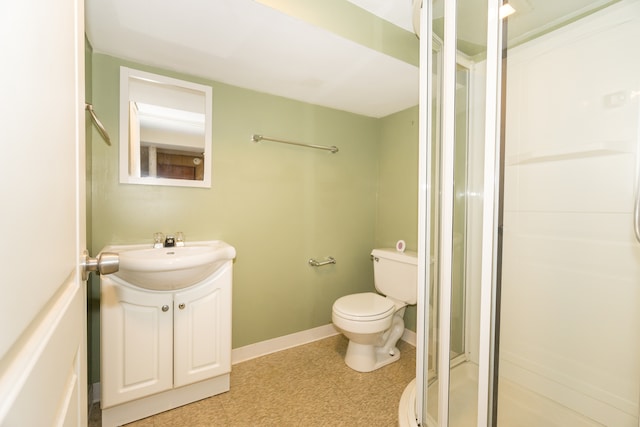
{"type": "Point", "coordinates": [262, 348]}
{"type": "Point", "coordinates": [90, 400]}
{"type": "Point", "coordinates": [409, 337]}
{"type": "Point", "coordinates": [274, 345]}
{"type": "Point", "coordinates": [95, 393]}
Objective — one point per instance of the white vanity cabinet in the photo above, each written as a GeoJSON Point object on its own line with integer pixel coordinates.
{"type": "Point", "coordinates": [163, 349]}
{"type": "Point", "coordinates": [136, 341]}
{"type": "Point", "coordinates": [201, 333]}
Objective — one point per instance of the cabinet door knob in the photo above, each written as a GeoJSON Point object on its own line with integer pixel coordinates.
{"type": "Point", "coordinates": [181, 306]}
{"type": "Point", "coordinates": [165, 308]}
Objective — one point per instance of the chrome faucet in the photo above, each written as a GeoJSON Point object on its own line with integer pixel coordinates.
{"type": "Point", "coordinates": [160, 241]}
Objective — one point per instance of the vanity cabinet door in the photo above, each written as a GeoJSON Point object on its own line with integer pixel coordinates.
{"type": "Point", "coordinates": [136, 340]}
{"type": "Point", "coordinates": [202, 330]}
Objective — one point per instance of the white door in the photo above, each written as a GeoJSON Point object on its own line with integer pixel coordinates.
{"type": "Point", "coordinates": [43, 378]}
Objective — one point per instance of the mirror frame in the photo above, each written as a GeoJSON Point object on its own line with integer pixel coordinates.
{"type": "Point", "coordinates": [126, 74]}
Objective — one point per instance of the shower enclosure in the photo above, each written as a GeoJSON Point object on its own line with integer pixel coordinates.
{"type": "Point", "coordinates": [529, 312]}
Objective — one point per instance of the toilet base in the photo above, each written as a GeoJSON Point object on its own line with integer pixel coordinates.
{"type": "Point", "coordinates": [367, 358]}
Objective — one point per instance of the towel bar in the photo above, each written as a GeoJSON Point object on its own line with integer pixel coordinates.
{"type": "Point", "coordinates": [315, 263]}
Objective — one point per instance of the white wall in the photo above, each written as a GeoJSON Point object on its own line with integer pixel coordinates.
{"type": "Point", "coordinates": [571, 276]}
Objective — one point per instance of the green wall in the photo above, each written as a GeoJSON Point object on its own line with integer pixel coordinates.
{"type": "Point", "coordinates": [278, 205]}
{"type": "Point", "coordinates": [398, 180]}
{"type": "Point", "coordinates": [397, 204]}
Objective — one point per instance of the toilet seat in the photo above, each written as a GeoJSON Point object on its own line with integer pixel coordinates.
{"type": "Point", "coordinates": [364, 307]}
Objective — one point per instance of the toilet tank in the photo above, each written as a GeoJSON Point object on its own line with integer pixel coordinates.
{"type": "Point", "coordinates": [395, 274]}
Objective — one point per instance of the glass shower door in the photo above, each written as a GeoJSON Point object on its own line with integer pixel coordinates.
{"type": "Point", "coordinates": [569, 330]}
{"type": "Point", "coordinates": [552, 315]}
{"type": "Point", "coordinates": [451, 168]}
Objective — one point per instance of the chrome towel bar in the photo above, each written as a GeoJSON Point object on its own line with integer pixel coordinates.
{"type": "Point", "coordinates": [329, 260]}
{"type": "Point", "coordinates": [258, 138]}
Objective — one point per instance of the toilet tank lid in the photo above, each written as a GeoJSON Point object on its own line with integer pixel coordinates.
{"type": "Point", "coordinates": [408, 257]}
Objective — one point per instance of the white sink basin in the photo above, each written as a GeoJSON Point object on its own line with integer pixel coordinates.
{"type": "Point", "coordinates": [164, 269]}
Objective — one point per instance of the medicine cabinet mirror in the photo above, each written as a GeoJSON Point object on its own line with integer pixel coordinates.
{"type": "Point", "coordinates": [165, 130]}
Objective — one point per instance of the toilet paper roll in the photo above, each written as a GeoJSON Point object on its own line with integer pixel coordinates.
{"type": "Point", "coordinates": [401, 246]}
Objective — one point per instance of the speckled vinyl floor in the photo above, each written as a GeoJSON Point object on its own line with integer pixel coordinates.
{"type": "Point", "coordinates": [307, 385]}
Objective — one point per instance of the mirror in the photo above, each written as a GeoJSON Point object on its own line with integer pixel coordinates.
{"type": "Point", "coordinates": [165, 130]}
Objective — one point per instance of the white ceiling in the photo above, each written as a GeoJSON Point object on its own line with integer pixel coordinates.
{"type": "Point", "coordinates": [247, 44]}
{"type": "Point", "coordinates": [397, 12]}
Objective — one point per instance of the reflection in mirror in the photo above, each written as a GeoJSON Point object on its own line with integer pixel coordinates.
{"type": "Point", "coordinates": [165, 130]}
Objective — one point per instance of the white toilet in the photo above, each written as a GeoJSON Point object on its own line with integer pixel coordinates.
{"type": "Point", "coordinates": [374, 323]}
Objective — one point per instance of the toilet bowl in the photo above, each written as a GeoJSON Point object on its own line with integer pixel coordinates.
{"type": "Point", "coordinates": [374, 323]}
